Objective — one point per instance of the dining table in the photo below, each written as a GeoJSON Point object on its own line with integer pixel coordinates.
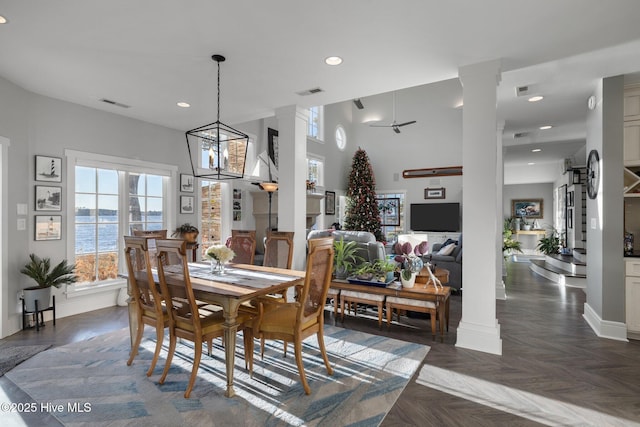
{"type": "Point", "coordinates": [239, 283]}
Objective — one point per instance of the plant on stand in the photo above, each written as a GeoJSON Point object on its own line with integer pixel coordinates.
{"type": "Point", "coordinates": [39, 269]}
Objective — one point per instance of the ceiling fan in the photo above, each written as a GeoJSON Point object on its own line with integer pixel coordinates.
{"type": "Point", "coordinates": [394, 125]}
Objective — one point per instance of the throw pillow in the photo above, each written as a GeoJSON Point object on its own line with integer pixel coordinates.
{"type": "Point", "coordinates": [447, 250]}
{"type": "Point", "coordinates": [448, 242]}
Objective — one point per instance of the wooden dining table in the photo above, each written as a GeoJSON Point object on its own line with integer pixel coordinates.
{"type": "Point", "coordinates": [239, 283]}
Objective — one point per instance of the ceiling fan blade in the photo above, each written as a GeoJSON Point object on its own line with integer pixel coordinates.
{"type": "Point", "coordinates": [380, 126]}
{"type": "Point", "coordinates": [407, 123]}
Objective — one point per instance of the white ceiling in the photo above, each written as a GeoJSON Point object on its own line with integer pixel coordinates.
{"type": "Point", "coordinates": [150, 54]}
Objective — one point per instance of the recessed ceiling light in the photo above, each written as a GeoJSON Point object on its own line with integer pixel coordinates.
{"type": "Point", "coordinates": [3, 20]}
{"type": "Point", "coordinates": [536, 98]}
{"type": "Point", "coordinates": [530, 163]}
{"type": "Point", "coordinates": [545, 127]}
{"type": "Point", "coordinates": [536, 150]}
{"type": "Point", "coordinates": [184, 104]}
{"type": "Point", "coordinates": [333, 60]}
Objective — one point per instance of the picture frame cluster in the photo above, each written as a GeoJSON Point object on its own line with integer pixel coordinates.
{"type": "Point", "coordinates": [48, 198]}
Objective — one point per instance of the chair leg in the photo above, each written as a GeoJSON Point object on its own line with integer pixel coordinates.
{"type": "Point", "coordinates": [209, 347]}
{"type": "Point", "coordinates": [156, 354]}
{"type": "Point", "coordinates": [303, 377]}
{"type": "Point", "coordinates": [167, 364]}
{"type": "Point", "coordinates": [136, 344]}
{"type": "Point", "coordinates": [194, 371]}
{"type": "Point", "coordinates": [323, 351]}
{"type": "Point", "coordinates": [285, 349]}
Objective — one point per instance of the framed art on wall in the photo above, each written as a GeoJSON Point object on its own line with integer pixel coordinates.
{"type": "Point", "coordinates": [186, 204]}
{"type": "Point", "coordinates": [186, 183]}
{"type": "Point", "coordinates": [526, 208]}
{"type": "Point", "coordinates": [329, 202]}
{"type": "Point", "coordinates": [272, 147]}
{"type": "Point", "coordinates": [434, 193]}
{"type": "Point", "coordinates": [48, 169]}
{"type": "Point", "coordinates": [48, 227]}
{"type": "Point", "coordinates": [48, 198]}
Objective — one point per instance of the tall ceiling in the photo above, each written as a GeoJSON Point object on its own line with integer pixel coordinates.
{"type": "Point", "coordinates": [151, 54]}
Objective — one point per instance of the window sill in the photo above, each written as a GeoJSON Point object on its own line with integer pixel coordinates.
{"type": "Point", "coordinates": [313, 139]}
{"type": "Point", "coordinates": [75, 291]}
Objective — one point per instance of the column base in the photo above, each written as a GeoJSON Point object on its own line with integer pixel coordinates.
{"type": "Point", "coordinates": [479, 337]}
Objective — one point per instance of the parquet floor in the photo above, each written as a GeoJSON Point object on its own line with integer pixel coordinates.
{"type": "Point", "coordinates": [548, 350]}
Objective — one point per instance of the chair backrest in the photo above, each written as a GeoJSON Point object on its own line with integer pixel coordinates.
{"type": "Point", "coordinates": [152, 235]}
{"type": "Point", "coordinates": [243, 243]}
{"type": "Point", "coordinates": [317, 279]}
{"type": "Point", "coordinates": [278, 249]}
{"type": "Point", "coordinates": [143, 286]}
{"type": "Point", "coordinates": [179, 298]}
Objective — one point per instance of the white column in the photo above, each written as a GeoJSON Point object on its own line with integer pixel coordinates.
{"type": "Point", "coordinates": [292, 173]}
{"type": "Point", "coordinates": [479, 328]}
{"type": "Point", "coordinates": [501, 292]}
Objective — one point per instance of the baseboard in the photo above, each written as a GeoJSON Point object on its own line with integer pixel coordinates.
{"type": "Point", "coordinates": [604, 328]}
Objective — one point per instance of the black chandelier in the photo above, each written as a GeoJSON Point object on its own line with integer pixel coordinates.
{"type": "Point", "coordinates": [217, 151]}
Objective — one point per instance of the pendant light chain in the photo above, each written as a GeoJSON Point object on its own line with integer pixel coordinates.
{"type": "Point", "coordinates": [218, 118]}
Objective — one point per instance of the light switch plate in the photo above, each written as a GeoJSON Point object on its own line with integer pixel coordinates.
{"type": "Point", "coordinates": [22, 209]}
{"type": "Point", "coordinates": [594, 223]}
{"type": "Point", "coordinates": [22, 224]}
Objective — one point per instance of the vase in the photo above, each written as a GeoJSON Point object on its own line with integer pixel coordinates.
{"type": "Point", "coordinates": [408, 283]}
{"type": "Point", "coordinates": [217, 267]}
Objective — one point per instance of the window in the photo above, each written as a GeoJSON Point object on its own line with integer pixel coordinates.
{"type": "Point", "coordinates": [316, 122]}
{"type": "Point", "coordinates": [315, 170]}
{"type": "Point", "coordinates": [110, 200]}
{"type": "Point", "coordinates": [341, 137]}
{"type": "Point", "coordinates": [390, 232]}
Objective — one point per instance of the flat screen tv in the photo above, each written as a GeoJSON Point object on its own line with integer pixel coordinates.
{"type": "Point", "coordinates": [435, 217]}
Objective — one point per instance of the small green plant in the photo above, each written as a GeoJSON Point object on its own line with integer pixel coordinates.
{"type": "Point", "coordinates": [39, 269]}
{"type": "Point", "coordinates": [550, 244]}
{"type": "Point", "coordinates": [508, 242]}
{"type": "Point", "coordinates": [345, 256]}
{"type": "Point", "coordinates": [183, 229]}
{"type": "Point", "coordinates": [406, 274]}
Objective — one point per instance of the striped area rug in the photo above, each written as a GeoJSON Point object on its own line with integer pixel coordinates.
{"type": "Point", "coordinates": [94, 386]}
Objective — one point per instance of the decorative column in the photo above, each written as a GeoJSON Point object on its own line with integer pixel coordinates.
{"type": "Point", "coordinates": [479, 328]}
{"type": "Point", "coordinates": [292, 173]}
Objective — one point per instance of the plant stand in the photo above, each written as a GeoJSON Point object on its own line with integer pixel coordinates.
{"type": "Point", "coordinates": [39, 322]}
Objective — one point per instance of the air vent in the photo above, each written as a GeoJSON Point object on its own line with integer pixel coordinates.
{"type": "Point", "coordinates": [310, 91]}
{"type": "Point", "coordinates": [117, 104]}
{"type": "Point", "coordinates": [520, 134]}
{"type": "Point", "coordinates": [526, 90]}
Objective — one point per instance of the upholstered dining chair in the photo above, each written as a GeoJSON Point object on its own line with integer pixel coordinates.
{"type": "Point", "coordinates": [243, 243]}
{"type": "Point", "coordinates": [146, 296]}
{"type": "Point", "coordinates": [295, 321]}
{"type": "Point", "coordinates": [186, 319]}
{"type": "Point", "coordinates": [278, 249]}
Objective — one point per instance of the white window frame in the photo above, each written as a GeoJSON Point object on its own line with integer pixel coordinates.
{"type": "Point", "coordinates": [320, 135]}
{"type": "Point", "coordinates": [342, 130]}
{"type": "Point", "coordinates": [320, 159]}
{"type": "Point", "coordinates": [80, 158]}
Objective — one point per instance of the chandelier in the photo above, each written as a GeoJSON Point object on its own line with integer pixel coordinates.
{"type": "Point", "coordinates": [217, 151]}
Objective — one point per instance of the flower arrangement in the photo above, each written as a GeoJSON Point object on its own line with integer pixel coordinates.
{"type": "Point", "coordinates": [410, 257]}
{"type": "Point", "coordinates": [220, 253]}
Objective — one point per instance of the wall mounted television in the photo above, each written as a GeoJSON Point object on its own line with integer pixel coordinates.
{"type": "Point", "coordinates": [435, 217]}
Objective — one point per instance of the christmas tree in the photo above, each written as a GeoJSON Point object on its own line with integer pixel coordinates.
{"type": "Point", "coordinates": [362, 208]}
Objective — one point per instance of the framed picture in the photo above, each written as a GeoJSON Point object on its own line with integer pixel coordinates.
{"type": "Point", "coordinates": [186, 204]}
{"type": "Point", "coordinates": [272, 138]}
{"type": "Point", "coordinates": [186, 183]}
{"type": "Point", "coordinates": [237, 215]}
{"type": "Point", "coordinates": [526, 208]}
{"type": "Point", "coordinates": [48, 198]}
{"type": "Point", "coordinates": [48, 169]}
{"type": "Point", "coordinates": [434, 193]}
{"type": "Point", "coordinates": [48, 227]}
{"type": "Point", "coordinates": [389, 209]}
{"type": "Point", "coordinates": [329, 202]}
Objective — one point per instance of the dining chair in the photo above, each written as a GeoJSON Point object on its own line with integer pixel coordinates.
{"type": "Point", "coordinates": [147, 299]}
{"type": "Point", "coordinates": [186, 319]}
{"type": "Point", "coordinates": [278, 249]}
{"type": "Point", "coordinates": [152, 235]}
{"type": "Point", "coordinates": [295, 321]}
{"type": "Point", "coordinates": [243, 243]}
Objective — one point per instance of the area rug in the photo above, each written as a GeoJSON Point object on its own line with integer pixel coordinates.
{"type": "Point", "coordinates": [13, 355]}
{"type": "Point", "coordinates": [94, 386]}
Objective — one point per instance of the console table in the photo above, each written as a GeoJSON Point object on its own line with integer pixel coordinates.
{"type": "Point", "coordinates": [423, 290]}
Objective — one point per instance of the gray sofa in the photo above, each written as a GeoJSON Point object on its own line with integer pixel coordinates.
{"type": "Point", "coordinates": [452, 262]}
{"type": "Point", "coordinates": [368, 248]}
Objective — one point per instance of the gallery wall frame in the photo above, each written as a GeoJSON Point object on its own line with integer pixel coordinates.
{"type": "Point", "coordinates": [48, 198]}
{"type": "Point", "coordinates": [272, 145]}
{"type": "Point", "coordinates": [48, 169]}
{"type": "Point", "coordinates": [48, 227]}
{"type": "Point", "coordinates": [435, 193]}
{"type": "Point", "coordinates": [330, 202]}
{"type": "Point", "coordinates": [527, 208]}
{"type": "Point", "coordinates": [187, 204]}
{"type": "Point", "coordinates": [187, 184]}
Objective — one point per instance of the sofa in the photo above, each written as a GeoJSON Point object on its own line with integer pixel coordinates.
{"type": "Point", "coordinates": [451, 262]}
{"type": "Point", "coordinates": [368, 248]}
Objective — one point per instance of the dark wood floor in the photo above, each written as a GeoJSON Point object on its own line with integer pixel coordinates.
{"type": "Point", "coordinates": [548, 350]}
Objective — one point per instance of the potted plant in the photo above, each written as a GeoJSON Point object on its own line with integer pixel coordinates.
{"type": "Point", "coordinates": [344, 257]}
{"type": "Point", "coordinates": [39, 269]}
{"type": "Point", "coordinates": [384, 270]}
{"type": "Point", "coordinates": [549, 245]}
{"type": "Point", "coordinates": [187, 232]}
{"type": "Point", "coordinates": [407, 278]}
{"type": "Point", "coordinates": [509, 244]}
